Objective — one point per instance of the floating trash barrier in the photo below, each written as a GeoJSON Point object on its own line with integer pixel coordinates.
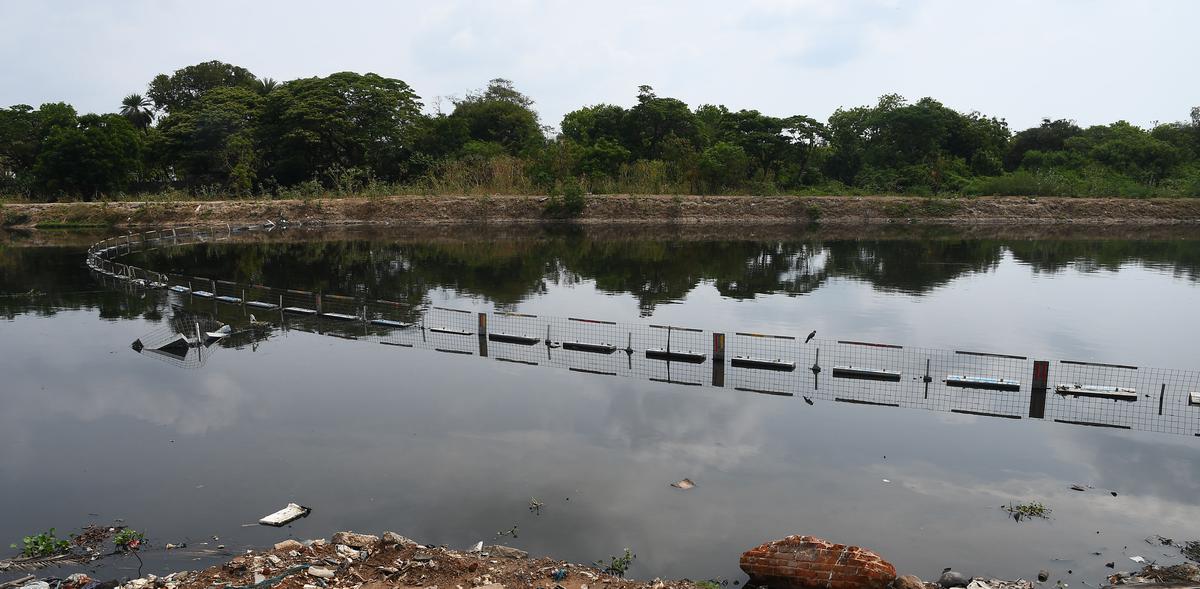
{"type": "Point", "coordinates": [524, 340]}
{"type": "Point", "coordinates": [673, 356]}
{"type": "Point", "coordinates": [340, 316]}
{"type": "Point", "coordinates": [865, 402]}
{"type": "Point", "coordinates": [762, 363]}
{"type": "Point", "coordinates": [982, 382]}
{"type": "Point", "coordinates": [1194, 399]}
{"type": "Point", "coordinates": [449, 331]}
{"type": "Point", "coordinates": [229, 299]}
{"type": "Point", "coordinates": [1097, 391]}
{"type": "Point", "coordinates": [262, 305]}
{"type": "Point", "coordinates": [765, 392]}
{"type": "Point", "coordinates": [390, 323]}
{"type": "Point", "coordinates": [985, 413]}
{"type": "Point", "coordinates": [204, 294]}
{"type": "Point", "coordinates": [866, 373]}
{"type": "Point", "coordinates": [589, 347]}
{"type": "Point", "coordinates": [300, 310]}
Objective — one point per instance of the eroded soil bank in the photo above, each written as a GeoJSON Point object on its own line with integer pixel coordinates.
{"type": "Point", "coordinates": [622, 209]}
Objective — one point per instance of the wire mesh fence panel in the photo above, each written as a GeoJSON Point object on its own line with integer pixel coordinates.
{"type": "Point", "coordinates": [765, 363]}
{"type": "Point", "coordinates": [978, 383]}
{"type": "Point", "coordinates": [982, 383]}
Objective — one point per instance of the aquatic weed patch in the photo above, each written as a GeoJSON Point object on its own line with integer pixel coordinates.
{"type": "Point", "coordinates": [1030, 510]}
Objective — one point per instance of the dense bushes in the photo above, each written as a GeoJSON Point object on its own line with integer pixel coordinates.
{"type": "Point", "coordinates": [216, 130]}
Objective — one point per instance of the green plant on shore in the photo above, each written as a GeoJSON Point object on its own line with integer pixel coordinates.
{"type": "Point", "coordinates": [128, 539]}
{"type": "Point", "coordinates": [43, 544]}
{"type": "Point", "coordinates": [567, 205]}
{"type": "Point", "coordinates": [708, 585]}
{"type": "Point", "coordinates": [1030, 510]}
{"type": "Point", "coordinates": [11, 219]}
{"type": "Point", "coordinates": [617, 565]}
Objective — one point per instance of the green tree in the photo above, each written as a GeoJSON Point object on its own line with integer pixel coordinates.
{"type": "Point", "coordinates": [215, 142]}
{"type": "Point", "coordinates": [345, 121]}
{"type": "Point", "coordinates": [137, 109]}
{"type": "Point", "coordinates": [591, 124]}
{"type": "Point", "coordinates": [501, 115]}
{"type": "Point", "coordinates": [180, 89]}
{"type": "Point", "coordinates": [723, 166]}
{"type": "Point", "coordinates": [100, 155]}
{"type": "Point", "coordinates": [653, 119]}
{"type": "Point", "coordinates": [23, 132]}
{"type": "Point", "coordinates": [265, 86]}
{"type": "Point", "coordinates": [1049, 136]}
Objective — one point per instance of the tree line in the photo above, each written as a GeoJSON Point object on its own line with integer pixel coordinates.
{"type": "Point", "coordinates": [217, 130]}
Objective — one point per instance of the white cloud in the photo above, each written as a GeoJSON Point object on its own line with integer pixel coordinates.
{"type": "Point", "coordinates": [1094, 61]}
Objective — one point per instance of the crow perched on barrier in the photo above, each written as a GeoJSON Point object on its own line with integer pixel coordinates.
{"type": "Point", "coordinates": [810, 336]}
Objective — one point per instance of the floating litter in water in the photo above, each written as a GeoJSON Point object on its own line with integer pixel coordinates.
{"type": "Point", "coordinates": [285, 516]}
{"type": "Point", "coordinates": [684, 484]}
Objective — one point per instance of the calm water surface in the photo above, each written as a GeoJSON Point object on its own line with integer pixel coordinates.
{"type": "Point", "coordinates": [450, 449]}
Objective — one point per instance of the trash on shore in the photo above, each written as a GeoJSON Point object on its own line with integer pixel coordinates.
{"type": "Point", "coordinates": [1180, 575]}
{"type": "Point", "coordinates": [382, 563]}
{"type": "Point", "coordinates": [285, 516]}
{"type": "Point", "coordinates": [685, 484]}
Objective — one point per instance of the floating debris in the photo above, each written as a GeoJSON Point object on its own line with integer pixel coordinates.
{"type": "Point", "coordinates": [685, 484]}
{"type": "Point", "coordinates": [286, 515]}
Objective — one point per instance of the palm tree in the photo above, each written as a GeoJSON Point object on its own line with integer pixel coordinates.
{"type": "Point", "coordinates": [264, 86]}
{"type": "Point", "coordinates": [136, 108]}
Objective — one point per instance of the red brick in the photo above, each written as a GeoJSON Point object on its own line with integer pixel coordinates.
{"type": "Point", "coordinates": [807, 562]}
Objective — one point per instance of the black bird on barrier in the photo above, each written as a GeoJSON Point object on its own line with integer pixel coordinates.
{"type": "Point", "coordinates": [810, 336]}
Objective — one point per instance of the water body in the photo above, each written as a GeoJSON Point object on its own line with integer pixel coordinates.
{"type": "Point", "coordinates": [451, 448]}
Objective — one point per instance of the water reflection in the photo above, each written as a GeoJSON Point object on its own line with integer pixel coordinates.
{"type": "Point", "coordinates": [654, 272]}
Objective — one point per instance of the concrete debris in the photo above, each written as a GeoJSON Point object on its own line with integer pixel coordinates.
{"type": "Point", "coordinates": [354, 540]}
{"type": "Point", "coordinates": [289, 545]}
{"type": "Point", "coordinates": [321, 572]}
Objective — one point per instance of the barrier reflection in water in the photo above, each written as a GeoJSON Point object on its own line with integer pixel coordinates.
{"type": "Point", "coordinates": [969, 382]}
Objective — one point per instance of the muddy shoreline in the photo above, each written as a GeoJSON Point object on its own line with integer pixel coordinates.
{"type": "Point", "coordinates": [726, 211]}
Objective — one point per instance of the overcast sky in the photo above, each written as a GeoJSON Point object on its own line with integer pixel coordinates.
{"type": "Point", "coordinates": [1093, 61]}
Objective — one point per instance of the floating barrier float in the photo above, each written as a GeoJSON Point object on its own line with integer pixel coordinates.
{"type": "Point", "coordinates": [390, 323]}
{"type": "Point", "coordinates": [593, 348]}
{"type": "Point", "coordinates": [449, 331]}
{"type": "Point", "coordinates": [762, 363]}
{"type": "Point", "coordinates": [262, 305]}
{"type": "Point", "coordinates": [204, 294]}
{"type": "Point", "coordinates": [509, 338]}
{"type": "Point", "coordinates": [1194, 399]}
{"type": "Point", "coordinates": [982, 382]}
{"type": "Point", "coordinates": [1097, 391]}
{"type": "Point", "coordinates": [340, 316]}
{"type": "Point", "coordinates": [300, 310]}
{"type": "Point", "coordinates": [866, 373]}
{"type": "Point", "coordinates": [674, 356]}
{"type": "Point", "coordinates": [229, 299]}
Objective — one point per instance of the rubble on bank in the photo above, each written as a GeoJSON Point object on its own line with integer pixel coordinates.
{"type": "Point", "coordinates": [362, 561]}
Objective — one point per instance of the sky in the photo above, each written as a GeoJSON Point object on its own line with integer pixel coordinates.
{"type": "Point", "coordinates": [1092, 61]}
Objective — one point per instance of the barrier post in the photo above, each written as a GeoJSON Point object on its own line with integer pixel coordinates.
{"type": "Point", "coordinates": [483, 327]}
{"type": "Point", "coordinates": [1037, 394]}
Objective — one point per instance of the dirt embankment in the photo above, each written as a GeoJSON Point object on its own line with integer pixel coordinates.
{"type": "Point", "coordinates": [618, 209]}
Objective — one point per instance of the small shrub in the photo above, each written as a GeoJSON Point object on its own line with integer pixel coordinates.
{"type": "Point", "coordinates": [617, 565]}
{"type": "Point", "coordinates": [569, 204]}
{"type": "Point", "coordinates": [11, 219]}
{"type": "Point", "coordinates": [129, 539]}
{"type": "Point", "coordinates": [43, 544]}
{"type": "Point", "coordinates": [814, 213]}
